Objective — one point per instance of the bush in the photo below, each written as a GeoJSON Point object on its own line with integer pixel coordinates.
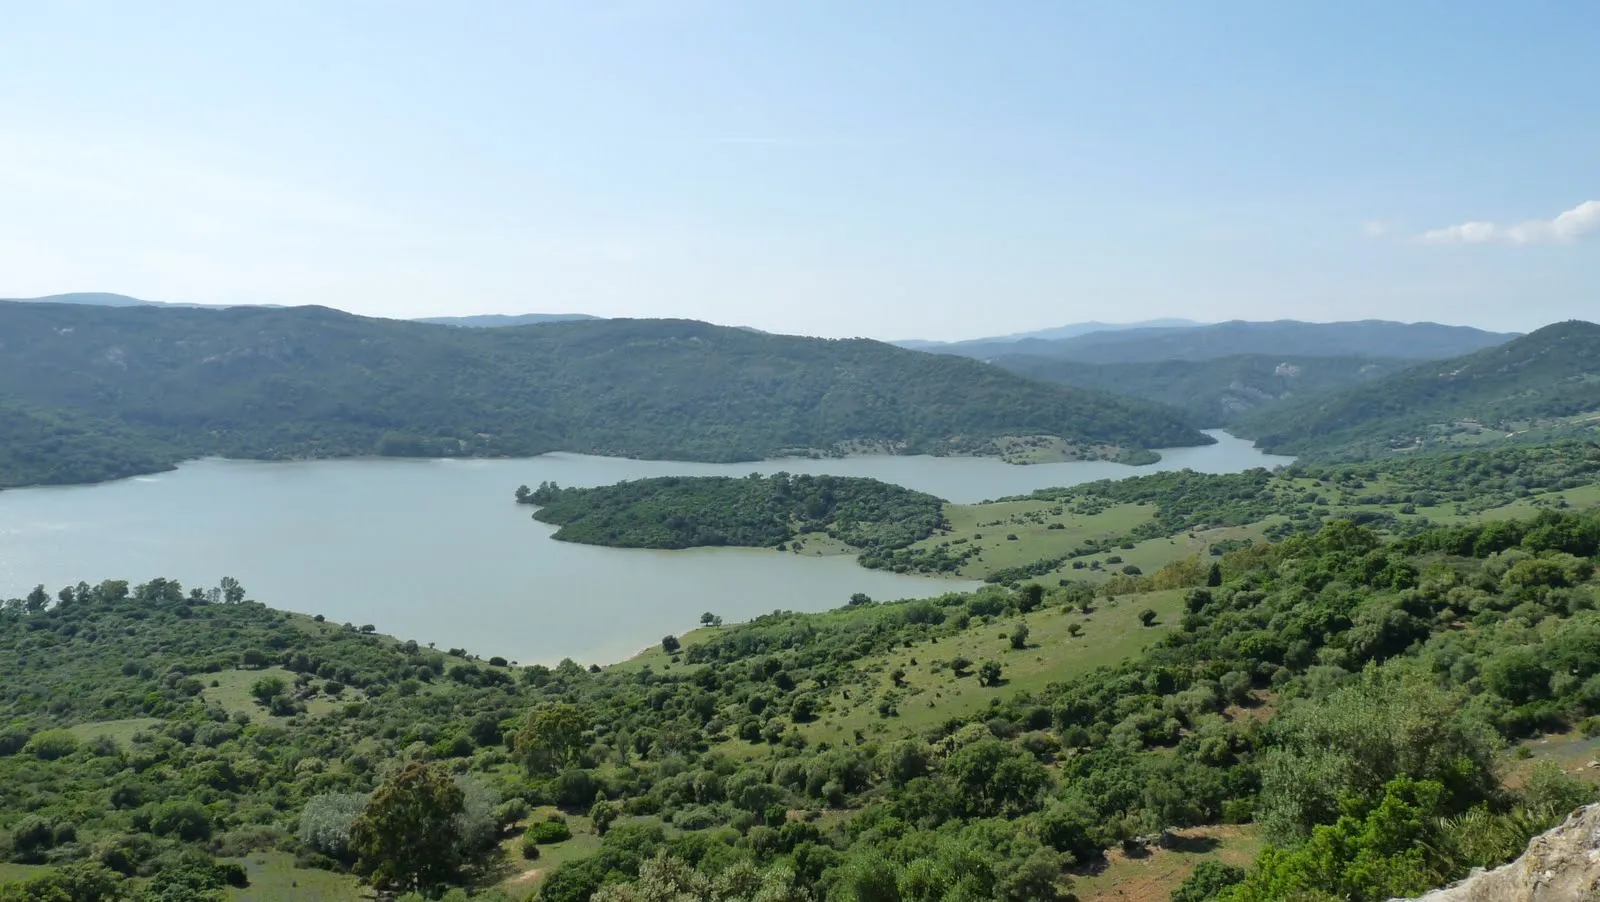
{"type": "Point", "coordinates": [325, 823]}
{"type": "Point", "coordinates": [553, 829]}
{"type": "Point", "coordinates": [52, 744]}
{"type": "Point", "coordinates": [530, 848]}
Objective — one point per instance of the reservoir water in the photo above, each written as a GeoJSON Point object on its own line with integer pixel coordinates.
{"type": "Point", "coordinates": [435, 550]}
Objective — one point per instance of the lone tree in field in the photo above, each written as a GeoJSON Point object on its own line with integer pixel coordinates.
{"type": "Point", "coordinates": [670, 644]}
{"type": "Point", "coordinates": [1147, 617]}
{"type": "Point", "coordinates": [1019, 637]}
{"type": "Point", "coordinates": [406, 838]}
{"type": "Point", "coordinates": [989, 673]}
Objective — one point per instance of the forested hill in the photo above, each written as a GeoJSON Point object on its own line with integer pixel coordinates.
{"type": "Point", "coordinates": [309, 381]}
{"type": "Point", "coordinates": [1213, 392]}
{"type": "Point", "coordinates": [1546, 382]}
{"type": "Point", "coordinates": [1366, 338]}
{"type": "Point", "coordinates": [758, 511]}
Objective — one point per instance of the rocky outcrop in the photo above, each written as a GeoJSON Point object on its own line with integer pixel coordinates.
{"type": "Point", "coordinates": [1562, 865]}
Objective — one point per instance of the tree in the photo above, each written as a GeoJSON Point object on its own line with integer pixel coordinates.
{"type": "Point", "coordinates": [1019, 636]}
{"type": "Point", "coordinates": [522, 494]}
{"type": "Point", "coordinates": [707, 618]}
{"type": "Point", "coordinates": [1214, 575]}
{"type": "Point", "coordinates": [1031, 597]}
{"type": "Point", "coordinates": [670, 644]}
{"type": "Point", "coordinates": [1147, 617]}
{"type": "Point", "coordinates": [266, 689]}
{"type": "Point", "coordinates": [989, 673]}
{"type": "Point", "coordinates": [232, 592]}
{"type": "Point", "coordinates": [551, 738]}
{"type": "Point", "coordinates": [860, 598]}
{"type": "Point", "coordinates": [1074, 630]}
{"type": "Point", "coordinates": [960, 664]}
{"type": "Point", "coordinates": [406, 838]}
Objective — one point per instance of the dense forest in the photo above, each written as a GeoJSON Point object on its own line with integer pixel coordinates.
{"type": "Point", "coordinates": [176, 383]}
{"type": "Point", "coordinates": [1214, 391]}
{"type": "Point", "coordinates": [756, 511]}
{"type": "Point", "coordinates": [1343, 698]}
{"type": "Point", "coordinates": [1549, 375]}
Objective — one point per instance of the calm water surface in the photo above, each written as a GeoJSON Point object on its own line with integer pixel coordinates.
{"type": "Point", "coordinates": [437, 551]}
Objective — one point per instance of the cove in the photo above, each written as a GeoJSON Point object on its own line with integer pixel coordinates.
{"type": "Point", "coordinates": [435, 550]}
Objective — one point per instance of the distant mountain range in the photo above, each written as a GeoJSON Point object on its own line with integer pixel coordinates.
{"type": "Point", "coordinates": [488, 320]}
{"type": "Point", "coordinates": [1543, 384]}
{"type": "Point", "coordinates": [1367, 338]}
{"type": "Point", "coordinates": [498, 320]}
{"type": "Point", "coordinates": [1071, 330]}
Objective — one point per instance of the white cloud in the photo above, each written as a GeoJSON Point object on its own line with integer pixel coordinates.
{"type": "Point", "coordinates": [1569, 226]}
{"type": "Point", "coordinates": [1376, 228]}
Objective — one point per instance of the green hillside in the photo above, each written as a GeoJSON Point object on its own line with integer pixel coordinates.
{"type": "Point", "coordinates": [1210, 392]}
{"type": "Point", "coordinates": [1328, 691]}
{"type": "Point", "coordinates": [299, 382]}
{"type": "Point", "coordinates": [1547, 382]}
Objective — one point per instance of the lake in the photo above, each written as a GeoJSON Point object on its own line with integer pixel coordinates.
{"type": "Point", "coordinates": [436, 550]}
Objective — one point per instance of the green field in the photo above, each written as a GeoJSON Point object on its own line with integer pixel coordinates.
{"type": "Point", "coordinates": [119, 731]}
{"type": "Point", "coordinates": [274, 878]}
{"type": "Point", "coordinates": [931, 693]}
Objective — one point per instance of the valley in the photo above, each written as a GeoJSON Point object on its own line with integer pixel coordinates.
{"type": "Point", "coordinates": [776, 668]}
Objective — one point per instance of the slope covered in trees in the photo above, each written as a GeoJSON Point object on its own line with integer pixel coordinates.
{"type": "Point", "coordinates": [1280, 338]}
{"type": "Point", "coordinates": [1543, 378]}
{"type": "Point", "coordinates": [282, 383]}
{"type": "Point", "coordinates": [755, 511]}
{"type": "Point", "coordinates": [1211, 392]}
{"type": "Point", "coordinates": [1343, 697]}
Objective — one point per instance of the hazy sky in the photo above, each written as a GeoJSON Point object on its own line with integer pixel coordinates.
{"type": "Point", "coordinates": [887, 168]}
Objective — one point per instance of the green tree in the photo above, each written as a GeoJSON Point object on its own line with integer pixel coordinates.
{"type": "Point", "coordinates": [670, 644]}
{"type": "Point", "coordinates": [1147, 617]}
{"type": "Point", "coordinates": [989, 673]}
{"type": "Point", "coordinates": [1214, 575]}
{"type": "Point", "coordinates": [550, 738]}
{"type": "Point", "coordinates": [266, 689]}
{"type": "Point", "coordinates": [1019, 636]}
{"type": "Point", "coordinates": [406, 837]}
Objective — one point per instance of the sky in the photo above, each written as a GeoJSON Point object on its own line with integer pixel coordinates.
{"type": "Point", "coordinates": [892, 169]}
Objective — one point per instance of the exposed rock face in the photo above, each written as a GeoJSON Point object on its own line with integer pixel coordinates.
{"type": "Point", "coordinates": [1562, 865]}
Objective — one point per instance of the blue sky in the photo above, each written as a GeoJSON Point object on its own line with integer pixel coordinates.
{"type": "Point", "coordinates": [893, 169]}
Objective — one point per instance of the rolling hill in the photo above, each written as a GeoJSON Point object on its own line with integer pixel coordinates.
{"type": "Point", "coordinates": [1212, 392]}
{"type": "Point", "coordinates": [300, 382]}
{"type": "Point", "coordinates": [1545, 383]}
{"type": "Point", "coordinates": [1368, 338]}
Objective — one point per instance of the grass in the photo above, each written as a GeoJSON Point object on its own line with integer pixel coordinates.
{"type": "Point", "coordinates": [120, 731]}
{"type": "Point", "coordinates": [1572, 751]}
{"type": "Point", "coordinates": [522, 876]}
{"type": "Point", "coordinates": [1152, 876]}
{"type": "Point", "coordinates": [274, 878]}
{"type": "Point", "coordinates": [11, 873]}
{"type": "Point", "coordinates": [932, 693]}
{"type": "Point", "coordinates": [989, 527]}
{"type": "Point", "coordinates": [232, 693]}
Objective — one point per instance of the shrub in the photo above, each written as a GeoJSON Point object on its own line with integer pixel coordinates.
{"type": "Point", "coordinates": [553, 829]}
{"type": "Point", "coordinates": [52, 744]}
{"type": "Point", "coordinates": [325, 823]}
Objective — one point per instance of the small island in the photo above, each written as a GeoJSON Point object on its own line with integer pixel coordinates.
{"type": "Point", "coordinates": [867, 515]}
